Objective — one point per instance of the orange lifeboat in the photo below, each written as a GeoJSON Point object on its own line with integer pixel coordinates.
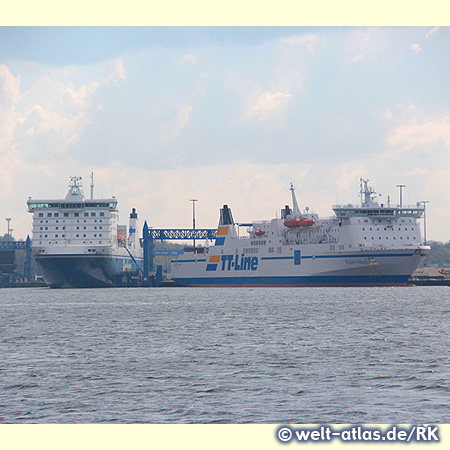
{"type": "Point", "coordinates": [259, 232]}
{"type": "Point", "coordinates": [296, 223]}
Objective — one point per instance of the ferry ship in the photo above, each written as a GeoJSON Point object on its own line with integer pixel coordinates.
{"type": "Point", "coordinates": [77, 242]}
{"type": "Point", "coordinates": [370, 244]}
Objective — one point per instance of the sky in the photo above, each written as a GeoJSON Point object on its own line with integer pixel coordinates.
{"type": "Point", "coordinates": [225, 115]}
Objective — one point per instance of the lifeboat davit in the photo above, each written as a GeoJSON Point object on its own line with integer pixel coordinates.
{"type": "Point", "coordinates": [296, 223]}
{"type": "Point", "coordinates": [259, 232]}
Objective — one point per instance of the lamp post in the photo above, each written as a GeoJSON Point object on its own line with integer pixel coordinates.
{"type": "Point", "coordinates": [193, 200]}
{"type": "Point", "coordinates": [424, 220]}
{"type": "Point", "coordinates": [401, 186]}
{"type": "Point", "coordinates": [8, 219]}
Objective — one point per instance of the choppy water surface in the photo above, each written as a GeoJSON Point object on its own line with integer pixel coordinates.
{"type": "Point", "coordinates": [239, 355]}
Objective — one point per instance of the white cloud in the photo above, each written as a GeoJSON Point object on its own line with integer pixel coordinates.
{"type": "Point", "coordinates": [9, 96]}
{"type": "Point", "coordinates": [80, 97]}
{"type": "Point", "coordinates": [414, 135]}
{"type": "Point", "coordinates": [387, 115]}
{"type": "Point", "coordinates": [360, 43]}
{"type": "Point", "coordinates": [172, 129]}
{"type": "Point", "coordinates": [114, 71]}
{"type": "Point", "coordinates": [349, 176]}
{"type": "Point", "coordinates": [188, 58]}
{"type": "Point", "coordinates": [9, 88]}
{"type": "Point", "coordinates": [431, 32]}
{"type": "Point", "coordinates": [308, 41]}
{"type": "Point", "coordinates": [415, 48]}
{"type": "Point", "coordinates": [418, 171]}
{"type": "Point", "coordinates": [267, 103]}
{"type": "Point", "coordinates": [44, 120]}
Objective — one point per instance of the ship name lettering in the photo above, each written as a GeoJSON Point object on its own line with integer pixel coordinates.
{"type": "Point", "coordinates": [356, 261]}
{"type": "Point", "coordinates": [237, 262]}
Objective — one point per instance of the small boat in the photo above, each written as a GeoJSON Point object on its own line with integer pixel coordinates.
{"type": "Point", "coordinates": [259, 232]}
{"type": "Point", "coordinates": [290, 222]}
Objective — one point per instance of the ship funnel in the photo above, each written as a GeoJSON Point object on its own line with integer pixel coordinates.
{"type": "Point", "coordinates": [226, 218]}
{"type": "Point", "coordinates": [92, 185]}
{"type": "Point", "coordinates": [132, 229]}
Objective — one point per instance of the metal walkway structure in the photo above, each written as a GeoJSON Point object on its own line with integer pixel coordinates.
{"type": "Point", "coordinates": [149, 235]}
{"type": "Point", "coordinates": [181, 234]}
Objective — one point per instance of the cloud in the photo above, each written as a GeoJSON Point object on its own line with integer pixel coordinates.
{"type": "Point", "coordinates": [308, 41]}
{"type": "Point", "coordinates": [9, 88]}
{"type": "Point", "coordinates": [431, 32]}
{"type": "Point", "coordinates": [414, 135]}
{"type": "Point", "coordinates": [349, 177]}
{"type": "Point", "coordinates": [267, 103]}
{"type": "Point", "coordinates": [415, 48]}
{"type": "Point", "coordinates": [188, 58]}
{"type": "Point", "coordinates": [80, 97]}
{"type": "Point", "coordinates": [114, 71]}
{"type": "Point", "coordinates": [418, 171]}
{"type": "Point", "coordinates": [360, 43]}
{"type": "Point", "coordinates": [172, 129]}
{"type": "Point", "coordinates": [387, 115]}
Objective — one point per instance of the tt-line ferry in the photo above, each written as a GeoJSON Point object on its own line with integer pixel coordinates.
{"type": "Point", "coordinates": [367, 245]}
{"type": "Point", "coordinates": [77, 242]}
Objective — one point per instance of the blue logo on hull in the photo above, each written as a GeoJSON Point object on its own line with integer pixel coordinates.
{"type": "Point", "coordinates": [234, 262]}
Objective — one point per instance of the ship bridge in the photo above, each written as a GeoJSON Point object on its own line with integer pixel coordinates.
{"type": "Point", "coordinates": [377, 211]}
{"type": "Point", "coordinates": [371, 208]}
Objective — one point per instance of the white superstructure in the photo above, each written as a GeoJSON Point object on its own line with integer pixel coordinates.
{"type": "Point", "coordinates": [369, 244]}
{"type": "Point", "coordinates": [76, 240]}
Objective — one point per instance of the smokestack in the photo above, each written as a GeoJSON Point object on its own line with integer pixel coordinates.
{"type": "Point", "coordinates": [92, 185]}
{"type": "Point", "coordinates": [132, 228]}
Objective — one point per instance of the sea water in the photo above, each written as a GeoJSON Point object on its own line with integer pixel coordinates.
{"type": "Point", "coordinates": [225, 355]}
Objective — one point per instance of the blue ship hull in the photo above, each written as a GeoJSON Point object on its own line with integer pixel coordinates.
{"type": "Point", "coordinates": [292, 281]}
{"type": "Point", "coordinates": [80, 271]}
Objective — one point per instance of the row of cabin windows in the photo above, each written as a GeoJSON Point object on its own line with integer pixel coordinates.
{"type": "Point", "coordinates": [86, 214]}
{"type": "Point", "coordinates": [63, 235]}
{"type": "Point", "coordinates": [56, 243]}
{"type": "Point", "coordinates": [78, 221]}
{"type": "Point", "coordinates": [258, 242]}
{"type": "Point", "coordinates": [63, 228]}
{"type": "Point", "coordinates": [379, 220]}
{"type": "Point", "coordinates": [379, 238]}
{"type": "Point", "coordinates": [385, 229]}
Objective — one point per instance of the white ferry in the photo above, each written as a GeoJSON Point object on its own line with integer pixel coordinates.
{"type": "Point", "coordinates": [367, 245]}
{"type": "Point", "coordinates": [77, 242]}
